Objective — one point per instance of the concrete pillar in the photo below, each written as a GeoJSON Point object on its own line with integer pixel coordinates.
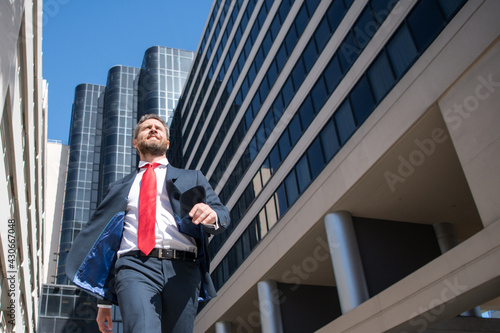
{"type": "Point", "coordinates": [447, 239]}
{"type": "Point", "coordinates": [223, 327]}
{"type": "Point", "coordinates": [346, 260]}
{"type": "Point", "coordinates": [269, 306]}
{"type": "Point", "coordinates": [445, 233]}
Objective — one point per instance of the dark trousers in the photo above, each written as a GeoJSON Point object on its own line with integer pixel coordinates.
{"type": "Point", "coordinates": [157, 296]}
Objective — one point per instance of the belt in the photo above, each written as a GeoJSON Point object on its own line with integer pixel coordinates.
{"type": "Point", "coordinates": [166, 254]}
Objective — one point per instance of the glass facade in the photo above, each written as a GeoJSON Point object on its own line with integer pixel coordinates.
{"type": "Point", "coordinates": [120, 114]}
{"type": "Point", "coordinates": [82, 194]}
{"type": "Point", "coordinates": [66, 309]}
{"type": "Point", "coordinates": [258, 80]}
{"type": "Point", "coordinates": [162, 77]}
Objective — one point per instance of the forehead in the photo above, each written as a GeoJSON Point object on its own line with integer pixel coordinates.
{"type": "Point", "coordinates": [151, 122]}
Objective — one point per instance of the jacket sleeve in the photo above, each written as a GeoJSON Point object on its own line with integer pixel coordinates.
{"type": "Point", "coordinates": [214, 202]}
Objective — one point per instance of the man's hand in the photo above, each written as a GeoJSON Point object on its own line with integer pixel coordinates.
{"type": "Point", "coordinates": [202, 213]}
{"type": "Point", "coordinates": [104, 320]}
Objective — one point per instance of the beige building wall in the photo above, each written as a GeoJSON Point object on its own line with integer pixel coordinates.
{"type": "Point", "coordinates": [57, 165]}
{"type": "Point", "coordinates": [23, 127]}
{"type": "Point", "coordinates": [471, 109]}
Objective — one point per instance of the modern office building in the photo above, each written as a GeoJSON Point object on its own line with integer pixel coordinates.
{"type": "Point", "coordinates": [100, 152]}
{"type": "Point", "coordinates": [356, 146]}
{"type": "Point", "coordinates": [23, 129]}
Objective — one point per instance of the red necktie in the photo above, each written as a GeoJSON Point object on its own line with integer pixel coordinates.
{"type": "Point", "coordinates": [147, 210]}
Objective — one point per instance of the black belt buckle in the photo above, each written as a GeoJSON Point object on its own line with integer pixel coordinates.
{"type": "Point", "coordinates": [167, 254]}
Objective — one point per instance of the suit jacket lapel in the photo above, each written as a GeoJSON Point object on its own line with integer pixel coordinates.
{"type": "Point", "coordinates": [174, 194]}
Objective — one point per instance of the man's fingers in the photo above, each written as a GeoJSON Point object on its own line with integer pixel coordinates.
{"type": "Point", "coordinates": [202, 213]}
{"type": "Point", "coordinates": [104, 320]}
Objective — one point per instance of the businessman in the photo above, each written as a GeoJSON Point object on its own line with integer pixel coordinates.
{"type": "Point", "coordinates": [145, 247]}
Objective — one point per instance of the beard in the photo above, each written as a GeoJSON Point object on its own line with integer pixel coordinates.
{"type": "Point", "coordinates": [157, 148]}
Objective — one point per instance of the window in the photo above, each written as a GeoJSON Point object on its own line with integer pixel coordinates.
{"type": "Point", "coordinates": [303, 174]}
{"type": "Point", "coordinates": [267, 43]}
{"type": "Point", "coordinates": [281, 200]}
{"type": "Point", "coordinates": [426, 21]}
{"type": "Point", "coordinates": [275, 25]}
{"type": "Point", "coordinates": [450, 7]}
{"type": "Point", "coordinates": [295, 129]}
{"type": "Point", "coordinates": [298, 74]}
{"type": "Point", "coordinates": [381, 76]}
{"type": "Point", "coordinates": [315, 155]}
{"type": "Point", "coordinates": [306, 113]}
{"type": "Point", "coordinates": [362, 101]}
{"type": "Point", "coordinates": [348, 52]}
{"type": "Point", "coordinates": [287, 92]}
{"type": "Point", "coordinates": [365, 28]}
{"type": "Point", "coordinates": [283, 11]}
{"type": "Point", "coordinates": [322, 34]}
{"type": "Point", "coordinates": [272, 217]}
{"type": "Point", "coordinates": [310, 55]}
{"type": "Point", "coordinates": [272, 73]}
{"type": "Point", "coordinates": [402, 51]}
{"type": "Point", "coordinates": [333, 75]}
{"type": "Point", "coordinates": [269, 123]}
{"type": "Point", "coordinates": [319, 95]}
{"type": "Point", "coordinates": [274, 158]}
{"type": "Point", "coordinates": [281, 57]}
{"type": "Point", "coordinates": [291, 188]}
{"type": "Point", "coordinates": [262, 223]}
{"type": "Point", "coordinates": [311, 6]}
{"type": "Point", "coordinates": [381, 9]}
{"type": "Point", "coordinates": [345, 122]}
{"type": "Point", "coordinates": [291, 40]}
{"type": "Point", "coordinates": [265, 172]}
{"type": "Point", "coordinates": [278, 108]}
{"type": "Point", "coordinates": [301, 19]}
{"type": "Point", "coordinates": [284, 144]}
{"type": "Point", "coordinates": [264, 87]}
{"type": "Point", "coordinates": [335, 14]}
{"type": "Point", "coordinates": [329, 140]}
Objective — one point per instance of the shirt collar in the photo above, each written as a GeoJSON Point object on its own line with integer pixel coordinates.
{"type": "Point", "coordinates": [163, 162]}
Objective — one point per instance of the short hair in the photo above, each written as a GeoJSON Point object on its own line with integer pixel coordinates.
{"type": "Point", "coordinates": [150, 116]}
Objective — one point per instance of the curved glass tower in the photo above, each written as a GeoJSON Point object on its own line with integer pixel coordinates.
{"type": "Point", "coordinates": [82, 191]}
{"type": "Point", "coordinates": [120, 113]}
{"type": "Point", "coordinates": [163, 75]}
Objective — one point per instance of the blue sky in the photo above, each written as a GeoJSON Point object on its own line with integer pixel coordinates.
{"type": "Point", "coordinates": [82, 40]}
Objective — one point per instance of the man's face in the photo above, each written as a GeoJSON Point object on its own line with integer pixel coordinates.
{"type": "Point", "coordinates": [151, 139]}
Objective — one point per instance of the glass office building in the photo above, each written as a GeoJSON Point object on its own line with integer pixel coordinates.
{"type": "Point", "coordinates": [101, 152]}
{"type": "Point", "coordinates": [331, 131]}
{"type": "Point", "coordinates": [81, 195]}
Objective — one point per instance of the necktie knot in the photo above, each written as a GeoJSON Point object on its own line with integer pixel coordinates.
{"type": "Point", "coordinates": [150, 165]}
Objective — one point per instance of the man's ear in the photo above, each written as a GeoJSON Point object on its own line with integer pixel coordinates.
{"type": "Point", "coordinates": [134, 143]}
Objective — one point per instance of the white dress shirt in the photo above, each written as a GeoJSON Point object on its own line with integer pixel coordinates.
{"type": "Point", "coordinates": [167, 234]}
